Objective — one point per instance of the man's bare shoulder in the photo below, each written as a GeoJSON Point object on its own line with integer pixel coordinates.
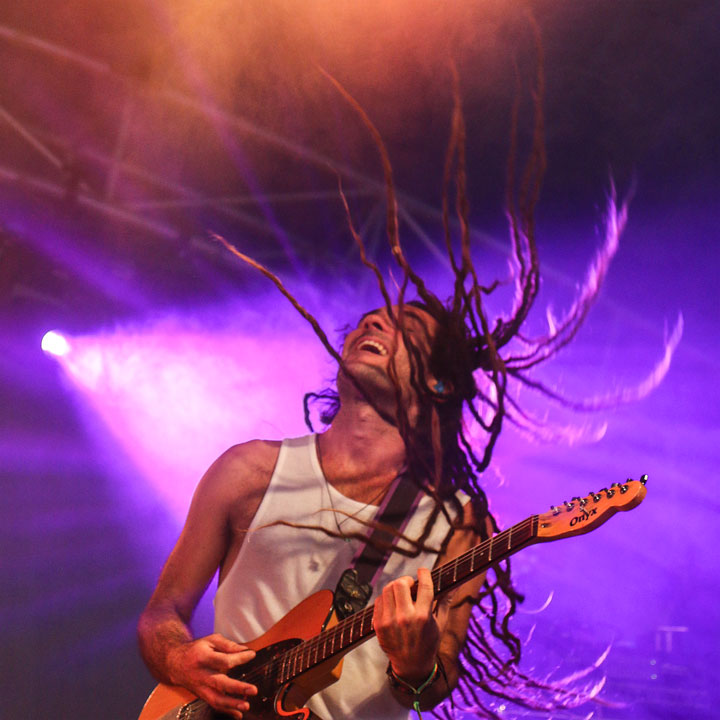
{"type": "Point", "coordinates": [245, 468]}
{"type": "Point", "coordinates": [243, 473]}
{"type": "Point", "coordinates": [255, 454]}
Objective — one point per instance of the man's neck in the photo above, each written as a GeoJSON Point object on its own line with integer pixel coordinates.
{"type": "Point", "coordinates": [360, 453]}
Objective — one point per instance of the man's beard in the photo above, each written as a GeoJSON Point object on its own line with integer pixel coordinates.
{"type": "Point", "coordinates": [372, 384]}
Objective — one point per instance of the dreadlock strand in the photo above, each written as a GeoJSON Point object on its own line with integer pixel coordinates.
{"type": "Point", "coordinates": [392, 215]}
{"type": "Point", "coordinates": [510, 210]}
{"type": "Point", "coordinates": [361, 247]}
{"type": "Point", "coordinates": [614, 225]}
{"type": "Point", "coordinates": [528, 282]}
{"type": "Point", "coordinates": [447, 175]}
{"type": "Point", "coordinates": [281, 287]}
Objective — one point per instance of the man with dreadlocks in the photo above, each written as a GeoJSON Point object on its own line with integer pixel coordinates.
{"type": "Point", "coordinates": [282, 520]}
{"type": "Point", "coordinates": [253, 513]}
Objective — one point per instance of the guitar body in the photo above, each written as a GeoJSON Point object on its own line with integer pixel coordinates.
{"type": "Point", "coordinates": [273, 701]}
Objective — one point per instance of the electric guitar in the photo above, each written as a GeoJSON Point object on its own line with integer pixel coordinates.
{"type": "Point", "coordinates": [302, 653]}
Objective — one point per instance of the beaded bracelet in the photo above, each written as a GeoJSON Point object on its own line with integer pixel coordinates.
{"type": "Point", "coordinates": [405, 687]}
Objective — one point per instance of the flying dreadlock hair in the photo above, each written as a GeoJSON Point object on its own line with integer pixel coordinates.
{"type": "Point", "coordinates": [472, 360]}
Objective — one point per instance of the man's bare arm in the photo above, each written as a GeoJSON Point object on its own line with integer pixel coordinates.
{"type": "Point", "coordinates": [222, 508]}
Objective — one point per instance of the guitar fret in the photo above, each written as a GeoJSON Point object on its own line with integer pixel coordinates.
{"type": "Point", "coordinates": [445, 576]}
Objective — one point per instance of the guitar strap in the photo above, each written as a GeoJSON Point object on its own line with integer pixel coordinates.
{"type": "Point", "coordinates": [355, 586]}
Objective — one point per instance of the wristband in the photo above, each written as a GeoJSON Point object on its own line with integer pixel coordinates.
{"type": "Point", "coordinates": [408, 689]}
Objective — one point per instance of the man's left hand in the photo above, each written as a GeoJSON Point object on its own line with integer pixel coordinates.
{"type": "Point", "coordinates": [407, 629]}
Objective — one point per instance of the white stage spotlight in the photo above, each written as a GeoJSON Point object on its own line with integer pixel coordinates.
{"type": "Point", "coordinates": [53, 343]}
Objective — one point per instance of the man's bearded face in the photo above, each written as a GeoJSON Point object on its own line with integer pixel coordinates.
{"type": "Point", "coordinates": [377, 342]}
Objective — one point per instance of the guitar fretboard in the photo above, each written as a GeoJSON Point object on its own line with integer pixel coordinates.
{"type": "Point", "coordinates": [358, 627]}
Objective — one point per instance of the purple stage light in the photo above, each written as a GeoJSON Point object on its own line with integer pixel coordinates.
{"type": "Point", "coordinates": [53, 343]}
{"type": "Point", "coordinates": [174, 393]}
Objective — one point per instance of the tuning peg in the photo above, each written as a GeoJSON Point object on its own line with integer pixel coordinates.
{"type": "Point", "coordinates": [595, 496]}
{"type": "Point", "coordinates": [569, 505]}
{"type": "Point", "coordinates": [643, 479]}
{"type": "Point", "coordinates": [555, 510]}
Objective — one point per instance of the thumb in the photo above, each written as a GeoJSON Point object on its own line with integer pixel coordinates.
{"type": "Point", "coordinates": [223, 644]}
{"type": "Point", "coordinates": [442, 610]}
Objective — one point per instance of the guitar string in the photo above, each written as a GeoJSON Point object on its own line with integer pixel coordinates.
{"type": "Point", "coordinates": [313, 644]}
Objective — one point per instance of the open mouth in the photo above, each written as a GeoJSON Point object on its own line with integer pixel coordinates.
{"type": "Point", "coordinates": [373, 346]}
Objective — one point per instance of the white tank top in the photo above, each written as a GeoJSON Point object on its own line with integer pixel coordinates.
{"type": "Point", "coordinates": [279, 566]}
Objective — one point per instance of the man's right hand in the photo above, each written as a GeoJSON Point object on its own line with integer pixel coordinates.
{"type": "Point", "coordinates": [202, 665]}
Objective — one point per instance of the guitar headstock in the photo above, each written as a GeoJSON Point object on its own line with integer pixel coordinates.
{"type": "Point", "coordinates": [581, 515]}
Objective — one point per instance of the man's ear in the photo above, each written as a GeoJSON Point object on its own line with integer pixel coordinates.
{"type": "Point", "coordinates": [440, 387]}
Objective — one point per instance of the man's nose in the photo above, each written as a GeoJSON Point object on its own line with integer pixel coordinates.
{"type": "Point", "coordinates": [377, 322]}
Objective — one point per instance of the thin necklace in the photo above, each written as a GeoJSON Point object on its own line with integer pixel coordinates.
{"type": "Point", "coordinates": [346, 516]}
